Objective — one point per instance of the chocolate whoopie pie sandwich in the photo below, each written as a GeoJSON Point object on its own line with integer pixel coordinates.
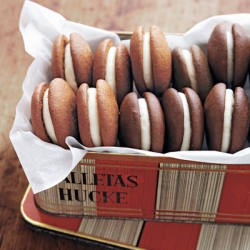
{"type": "Point", "coordinates": [53, 112]}
{"type": "Point", "coordinates": [151, 60]}
{"type": "Point", "coordinates": [228, 54]}
{"type": "Point", "coordinates": [72, 60]}
{"type": "Point", "coordinates": [98, 112]}
{"type": "Point", "coordinates": [184, 120]}
{"type": "Point", "coordinates": [227, 118]}
{"type": "Point", "coordinates": [113, 64]}
{"type": "Point", "coordinates": [141, 122]}
{"type": "Point", "coordinates": [190, 69]}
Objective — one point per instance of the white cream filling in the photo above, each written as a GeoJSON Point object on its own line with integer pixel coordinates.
{"type": "Point", "coordinates": [230, 58]}
{"type": "Point", "coordinates": [69, 69]}
{"type": "Point", "coordinates": [95, 130]}
{"type": "Point", "coordinates": [227, 124]}
{"type": "Point", "coordinates": [145, 125]}
{"type": "Point", "coordinates": [47, 118]}
{"type": "Point", "coordinates": [187, 124]}
{"type": "Point", "coordinates": [190, 68]}
{"type": "Point", "coordinates": [147, 63]}
{"type": "Point", "coordinates": [110, 69]}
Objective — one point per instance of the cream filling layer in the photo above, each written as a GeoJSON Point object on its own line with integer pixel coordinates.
{"type": "Point", "coordinates": [230, 58]}
{"type": "Point", "coordinates": [147, 62]}
{"type": "Point", "coordinates": [69, 69]}
{"type": "Point", "coordinates": [95, 131]}
{"type": "Point", "coordinates": [47, 118]}
{"type": "Point", "coordinates": [227, 123]}
{"type": "Point", "coordinates": [145, 124]}
{"type": "Point", "coordinates": [187, 124]}
{"type": "Point", "coordinates": [190, 69]}
{"type": "Point", "coordinates": [110, 75]}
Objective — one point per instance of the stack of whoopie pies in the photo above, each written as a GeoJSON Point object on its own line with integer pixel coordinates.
{"type": "Point", "coordinates": [147, 97]}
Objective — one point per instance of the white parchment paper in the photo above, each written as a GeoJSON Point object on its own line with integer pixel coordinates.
{"type": "Point", "coordinates": [46, 164]}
